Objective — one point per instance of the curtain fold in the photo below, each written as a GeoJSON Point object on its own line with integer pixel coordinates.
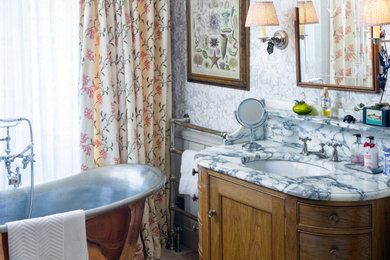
{"type": "Point", "coordinates": [125, 96]}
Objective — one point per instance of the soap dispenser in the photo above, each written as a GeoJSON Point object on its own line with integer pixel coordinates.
{"type": "Point", "coordinates": [371, 154]}
{"type": "Point", "coordinates": [325, 103]}
{"type": "Point", "coordinates": [357, 155]}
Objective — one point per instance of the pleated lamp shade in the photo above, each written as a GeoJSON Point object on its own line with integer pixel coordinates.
{"type": "Point", "coordinates": [374, 12]}
{"type": "Point", "coordinates": [261, 14]}
{"type": "Point", "coordinates": [307, 13]}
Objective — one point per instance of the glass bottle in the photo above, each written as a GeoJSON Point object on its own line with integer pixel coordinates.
{"type": "Point", "coordinates": [325, 103]}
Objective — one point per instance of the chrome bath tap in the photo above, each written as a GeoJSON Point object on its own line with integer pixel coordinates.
{"type": "Point", "coordinates": [14, 177]}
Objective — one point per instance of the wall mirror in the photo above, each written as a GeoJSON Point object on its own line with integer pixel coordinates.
{"type": "Point", "coordinates": [332, 49]}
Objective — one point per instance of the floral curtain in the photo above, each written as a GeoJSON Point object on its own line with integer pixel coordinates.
{"type": "Point", "coordinates": [125, 96]}
{"type": "Point", "coordinates": [350, 47]}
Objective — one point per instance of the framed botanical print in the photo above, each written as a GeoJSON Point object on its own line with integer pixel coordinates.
{"type": "Point", "coordinates": [218, 43]}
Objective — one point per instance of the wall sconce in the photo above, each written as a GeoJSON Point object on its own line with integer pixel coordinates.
{"type": "Point", "coordinates": [307, 15]}
{"type": "Point", "coordinates": [264, 14]}
{"type": "Point", "coordinates": [374, 13]}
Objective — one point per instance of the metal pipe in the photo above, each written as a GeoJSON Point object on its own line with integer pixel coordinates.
{"type": "Point", "coordinates": [199, 128]}
{"type": "Point", "coordinates": [174, 150]}
{"type": "Point", "coordinates": [185, 213]}
{"type": "Point", "coordinates": [174, 180]}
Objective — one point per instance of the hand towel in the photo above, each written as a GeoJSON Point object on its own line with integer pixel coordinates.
{"type": "Point", "coordinates": [188, 184]}
{"type": "Point", "coordinates": [56, 237]}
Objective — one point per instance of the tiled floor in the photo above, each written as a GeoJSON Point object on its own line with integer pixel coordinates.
{"type": "Point", "coordinates": [185, 254]}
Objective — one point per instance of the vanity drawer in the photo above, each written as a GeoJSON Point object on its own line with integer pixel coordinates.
{"type": "Point", "coordinates": [332, 217]}
{"type": "Point", "coordinates": [320, 246]}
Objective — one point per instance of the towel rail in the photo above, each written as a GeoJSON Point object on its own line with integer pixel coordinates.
{"type": "Point", "coordinates": [174, 231]}
{"type": "Point", "coordinates": [185, 213]}
{"type": "Point", "coordinates": [199, 128]}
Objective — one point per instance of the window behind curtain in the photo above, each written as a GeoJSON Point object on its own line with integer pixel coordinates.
{"type": "Point", "coordinates": [38, 81]}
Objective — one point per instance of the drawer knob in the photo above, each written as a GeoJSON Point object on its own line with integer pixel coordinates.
{"type": "Point", "coordinates": [334, 219]}
{"type": "Point", "coordinates": [211, 213]}
{"type": "Point", "coordinates": [194, 172]}
{"type": "Point", "coordinates": [334, 253]}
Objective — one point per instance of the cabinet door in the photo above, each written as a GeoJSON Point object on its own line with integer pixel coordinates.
{"type": "Point", "coordinates": [246, 224]}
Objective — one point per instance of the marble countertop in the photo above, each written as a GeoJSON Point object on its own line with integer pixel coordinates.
{"type": "Point", "coordinates": [342, 184]}
{"type": "Point", "coordinates": [358, 126]}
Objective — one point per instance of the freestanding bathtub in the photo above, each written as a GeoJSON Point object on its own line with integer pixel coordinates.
{"type": "Point", "coordinates": [112, 197]}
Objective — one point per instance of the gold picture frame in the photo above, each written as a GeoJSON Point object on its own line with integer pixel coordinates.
{"type": "Point", "coordinates": [218, 43]}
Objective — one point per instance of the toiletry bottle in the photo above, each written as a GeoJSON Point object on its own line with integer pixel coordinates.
{"type": "Point", "coordinates": [357, 155]}
{"type": "Point", "coordinates": [325, 103]}
{"type": "Point", "coordinates": [370, 154]}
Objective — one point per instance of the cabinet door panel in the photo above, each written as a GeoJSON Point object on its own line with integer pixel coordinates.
{"type": "Point", "coordinates": [246, 231]}
{"type": "Point", "coordinates": [248, 224]}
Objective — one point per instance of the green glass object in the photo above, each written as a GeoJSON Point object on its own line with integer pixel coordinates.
{"type": "Point", "coordinates": [301, 108]}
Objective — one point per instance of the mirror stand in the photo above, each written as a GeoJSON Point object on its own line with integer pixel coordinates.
{"type": "Point", "coordinates": [251, 114]}
{"type": "Point", "coordinates": [251, 146]}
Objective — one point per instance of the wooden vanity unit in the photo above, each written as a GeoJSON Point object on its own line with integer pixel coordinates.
{"type": "Point", "coordinates": [241, 220]}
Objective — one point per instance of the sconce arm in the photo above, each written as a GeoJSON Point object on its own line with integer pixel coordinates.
{"type": "Point", "coordinates": [280, 39]}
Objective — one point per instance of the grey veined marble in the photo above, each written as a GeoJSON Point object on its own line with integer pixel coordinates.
{"type": "Point", "coordinates": [341, 184]}
{"type": "Point", "coordinates": [287, 127]}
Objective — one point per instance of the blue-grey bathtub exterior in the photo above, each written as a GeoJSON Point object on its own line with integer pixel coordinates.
{"type": "Point", "coordinates": [95, 191]}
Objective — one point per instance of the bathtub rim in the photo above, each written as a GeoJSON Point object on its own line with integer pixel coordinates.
{"type": "Point", "coordinates": [118, 204]}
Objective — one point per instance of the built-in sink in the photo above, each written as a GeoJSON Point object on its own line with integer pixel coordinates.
{"type": "Point", "coordinates": [287, 168]}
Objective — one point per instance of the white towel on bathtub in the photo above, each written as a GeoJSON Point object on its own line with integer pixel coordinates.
{"type": "Point", "coordinates": [188, 183]}
{"type": "Point", "coordinates": [60, 237]}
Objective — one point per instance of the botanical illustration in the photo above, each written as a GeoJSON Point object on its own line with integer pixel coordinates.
{"type": "Point", "coordinates": [215, 31]}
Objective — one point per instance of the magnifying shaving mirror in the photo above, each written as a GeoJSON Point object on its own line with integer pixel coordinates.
{"type": "Point", "coordinates": [251, 114]}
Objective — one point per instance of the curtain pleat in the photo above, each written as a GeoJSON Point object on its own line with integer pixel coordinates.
{"type": "Point", "coordinates": [125, 97]}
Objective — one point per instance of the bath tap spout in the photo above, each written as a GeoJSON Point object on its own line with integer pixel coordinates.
{"type": "Point", "coordinates": [28, 147]}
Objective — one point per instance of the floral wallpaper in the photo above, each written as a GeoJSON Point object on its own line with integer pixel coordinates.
{"type": "Point", "coordinates": [272, 77]}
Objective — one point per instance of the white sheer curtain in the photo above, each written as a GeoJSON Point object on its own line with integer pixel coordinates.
{"type": "Point", "coordinates": [38, 80]}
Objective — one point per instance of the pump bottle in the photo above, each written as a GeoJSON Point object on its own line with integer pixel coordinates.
{"type": "Point", "coordinates": [371, 153]}
{"type": "Point", "coordinates": [357, 155]}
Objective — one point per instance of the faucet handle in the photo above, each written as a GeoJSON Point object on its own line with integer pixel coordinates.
{"type": "Point", "coordinates": [335, 156]}
{"type": "Point", "coordinates": [305, 151]}
{"type": "Point", "coordinates": [335, 145]}
{"type": "Point", "coordinates": [322, 148]}
{"type": "Point", "coordinates": [305, 139]}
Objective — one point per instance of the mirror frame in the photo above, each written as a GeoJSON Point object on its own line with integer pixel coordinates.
{"type": "Point", "coordinates": [261, 119]}
{"type": "Point", "coordinates": [375, 66]}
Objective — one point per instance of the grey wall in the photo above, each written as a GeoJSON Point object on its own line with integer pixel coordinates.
{"type": "Point", "coordinates": [271, 76]}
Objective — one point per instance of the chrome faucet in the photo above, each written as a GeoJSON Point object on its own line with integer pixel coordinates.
{"type": "Point", "coordinates": [335, 155]}
{"type": "Point", "coordinates": [305, 151]}
{"type": "Point", "coordinates": [14, 177]}
{"type": "Point", "coordinates": [321, 153]}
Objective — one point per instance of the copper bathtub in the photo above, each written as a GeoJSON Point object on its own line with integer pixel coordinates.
{"type": "Point", "coordinates": [112, 197]}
